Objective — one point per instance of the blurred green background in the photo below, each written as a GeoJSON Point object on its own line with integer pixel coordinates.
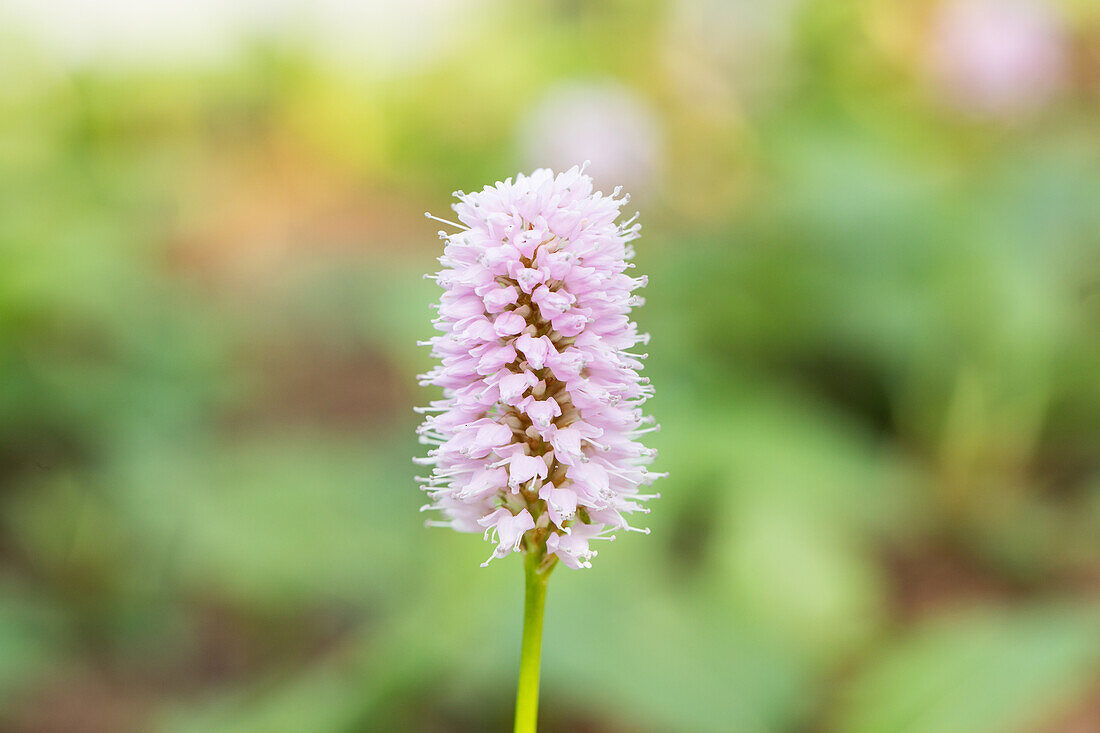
{"type": "Point", "coordinates": [872, 230]}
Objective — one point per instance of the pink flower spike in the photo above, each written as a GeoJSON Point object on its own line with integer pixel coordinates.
{"type": "Point", "coordinates": [536, 432]}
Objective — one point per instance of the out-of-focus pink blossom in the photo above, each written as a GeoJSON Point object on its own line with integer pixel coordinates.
{"type": "Point", "coordinates": [997, 57]}
{"type": "Point", "coordinates": [601, 121]}
{"type": "Point", "coordinates": [536, 434]}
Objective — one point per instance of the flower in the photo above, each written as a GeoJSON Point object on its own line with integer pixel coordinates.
{"type": "Point", "coordinates": [598, 119]}
{"type": "Point", "coordinates": [997, 57]}
{"type": "Point", "coordinates": [536, 435]}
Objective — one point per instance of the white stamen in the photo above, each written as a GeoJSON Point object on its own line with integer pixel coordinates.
{"type": "Point", "coordinates": [429, 215]}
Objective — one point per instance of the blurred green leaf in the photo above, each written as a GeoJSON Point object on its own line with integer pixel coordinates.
{"type": "Point", "coordinates": [986, 672]}
{"type": "Point", "coordinates": [33, 639]}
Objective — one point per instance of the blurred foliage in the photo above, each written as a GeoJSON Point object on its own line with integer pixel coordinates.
{"type": "Point", "coordinates": [876, 347]}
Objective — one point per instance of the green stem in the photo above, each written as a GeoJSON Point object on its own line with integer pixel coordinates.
{"type": "Point", "coordinates": [527, 691]}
